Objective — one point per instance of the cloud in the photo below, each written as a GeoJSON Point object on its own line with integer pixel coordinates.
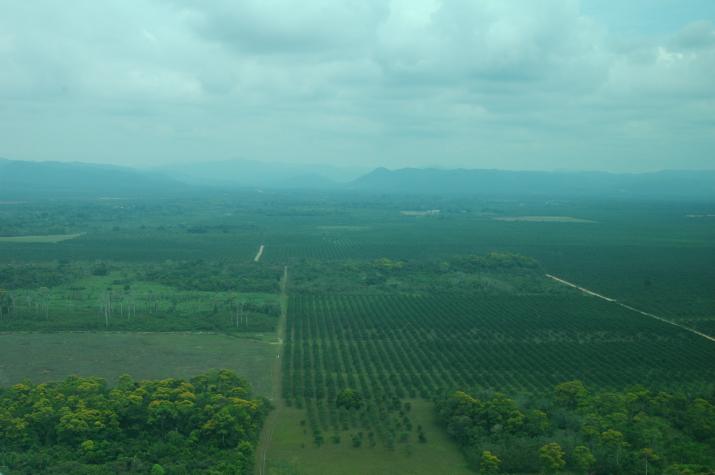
{"type": "Point", "coordinates": [517, 84]}
{"type": "Point", "coordinates": [698, 35]}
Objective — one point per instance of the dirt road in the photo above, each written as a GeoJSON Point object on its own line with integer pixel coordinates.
{"type": "Point", "coordinates": [633, 309]}
{"type": "Point", "coordinates": [259, 254]}
{"type": "Point", "coordinates": [264, 442]}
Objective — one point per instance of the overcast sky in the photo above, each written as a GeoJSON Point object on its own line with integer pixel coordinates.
{"type": "Point", "coordinates": [622, 85]}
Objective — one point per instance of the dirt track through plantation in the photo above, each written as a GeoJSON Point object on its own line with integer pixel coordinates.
{"type": "Point", "coordinates": [626, 306]}
{"type": "Point", "coordinates": [260, 253]}
{"type": "Point", "coordinates": [264, 441]}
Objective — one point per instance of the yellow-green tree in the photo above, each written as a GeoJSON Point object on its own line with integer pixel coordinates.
{"type": "Point", "coordinates": [489, 463]}
{"type": "Point", "coordinates": [570, 394]}
{"type": "Point", "coordinates": [615, 441]}
{"type": "Point", "coordinates": [648, 456]}
{"type": "Point", "coordinates": [582, 458]}
{"type": "Point", "coordinates": [552, 457]}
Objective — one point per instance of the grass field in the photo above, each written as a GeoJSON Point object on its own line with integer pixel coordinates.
{"type": "Point", "coordinates": [544, 219]}
{"type": "Point", "coordinates": [53, 356]}
{"type": "Point", "coordinates": [294, 453]}
{"type": "Point", "coordinates": [50, 238]}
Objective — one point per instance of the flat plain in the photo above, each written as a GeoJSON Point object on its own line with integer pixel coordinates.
{"type": "Point", "coordinates": [42, 357]}
{"type": "Point", "coordinates": [402, 309]}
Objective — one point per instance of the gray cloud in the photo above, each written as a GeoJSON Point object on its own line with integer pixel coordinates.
{"type": "Point", "coordinates": [519, 84]}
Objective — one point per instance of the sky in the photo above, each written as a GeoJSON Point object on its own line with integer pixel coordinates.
{"type": "Point", "coordinates": [514, 84]}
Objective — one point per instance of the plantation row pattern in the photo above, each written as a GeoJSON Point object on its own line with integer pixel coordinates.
{"type": "Point", "coordinates": [390, 348]}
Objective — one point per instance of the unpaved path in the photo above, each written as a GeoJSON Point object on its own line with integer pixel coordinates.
{"type": "Point", "coordinates": [269, 426]}
{"type": "Point", "coordinates": [259, 254]}
{"type": "Point", "coordinates": [633, 309]}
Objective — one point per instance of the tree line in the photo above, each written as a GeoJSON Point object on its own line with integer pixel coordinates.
{"type": "Point", "coordinates": [577, 431]}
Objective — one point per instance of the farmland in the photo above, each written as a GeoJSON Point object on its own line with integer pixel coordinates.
{"type": "Point", "coordinates": [408, 347]}
{"type": "Point", "coordinates": [45, 238]}
{"type": "Point", "coordinates": [385, 312]}
{"type": "Point", "coordinates": [42, 357]}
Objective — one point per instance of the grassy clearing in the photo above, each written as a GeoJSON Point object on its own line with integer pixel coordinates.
{"type": "Point", "coordinates": [293, 452]}
{"type": "Point", "coordinates": [339, 227]}
{"type": "Point", "coordinates": [50, 238]}
{"type": "Point", "coordinates": [50, 357]}
{"type": "Point", "coordinates": [543, 219]}
{"type": "Point", "coordinates": [78, 305]}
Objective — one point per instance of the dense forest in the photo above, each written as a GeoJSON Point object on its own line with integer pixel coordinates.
{"type": "Point", "coordinates": [572, 429]}
{"type": "Point", "coordinates": [208, 424]}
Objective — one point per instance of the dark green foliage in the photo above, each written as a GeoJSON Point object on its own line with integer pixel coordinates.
{"type": "Point", "coordinates": [494, 260]}
{"type": "Point", "coordinates": [208, 424]}
{"type": "Point", "coordinates": [214, 276]}
{"type": "Point", "coordinates": [349, 399]}
{"type": "Point", "coordinates": [36, 275]}
{"type": "Point", "coordinates": [121, 296]}
{"type": "Point", "coordinates": [100, 269]}
{"type": "Point", "coordinates": [407, 347]}
{"type": "Point", "coordinates": [492, 273]}
{"type": "Point", "coordinates": [605, 433]}
{"type": "Point", "coordinates": [395, 307]}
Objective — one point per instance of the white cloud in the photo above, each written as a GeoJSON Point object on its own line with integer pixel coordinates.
{"type": "Point", "coordinates": [536, 84]}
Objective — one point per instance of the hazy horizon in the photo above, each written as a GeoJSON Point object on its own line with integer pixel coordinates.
{"type": "Point", "coordinates": [562, 85]}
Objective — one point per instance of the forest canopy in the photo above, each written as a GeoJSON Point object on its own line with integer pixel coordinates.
{"type": "Point", "coordinates": [207, 424]}
{"type": "Point", "coordinates": [572, 429]}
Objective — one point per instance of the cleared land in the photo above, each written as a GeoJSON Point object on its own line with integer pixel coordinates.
{"type": "Point", "coordinates": [342, 228]}
{"type": "Point", "coordinates": [294, 453]}
{"type": "Point", "coordinates": [53, 356]}
{"type": "Point", "coordinates": [276, 416]}
{"type": "Point", "coordinates": [543, 219]}
{"type": "Point", "coordinates": [50, 238]}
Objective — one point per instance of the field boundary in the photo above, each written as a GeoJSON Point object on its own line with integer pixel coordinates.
{"type": "Point", "coordinates": [626, 306]}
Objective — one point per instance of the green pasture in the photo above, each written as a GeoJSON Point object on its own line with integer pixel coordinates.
{"type": "Point", "coordinates": [50, 238]}
{"type": "Point", "coordinates": [44, 357]}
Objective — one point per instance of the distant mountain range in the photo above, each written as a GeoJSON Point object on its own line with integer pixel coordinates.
{"type": "Point", "coordinates": [26, 179]}
{"type": "Point", "coordinates": [253, 173]}
{"type": "Point", "coordinates": [666, 184]}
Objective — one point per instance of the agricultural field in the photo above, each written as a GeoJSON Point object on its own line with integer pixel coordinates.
{"type": "Point", "coordinates": [294, 452]}
{"type": "Point", "coordinates": [394, 348]}
{"type": "Point", "coordinates": [420, 347]}
{"type": "Point", "coordinates": [48, 238]}
{"type": "Point", "coordinates": [42, 357]}
{"type": "Point", "coordinates": [383, 313]}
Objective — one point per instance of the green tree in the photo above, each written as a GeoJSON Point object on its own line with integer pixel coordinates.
{"type": "Point", "coordinates": [571, 393]}
{"type": "Point", "coordinates": [489, 463]}
{"type": "Point", "coordinates": [552, 457]}
{"type": "Point", "coordinates": [582, 458]}
{"type": "Point", "coordinates": [615, 441]}
{"type": "Point", "coordinates": [162, 413]}
{"type": "Point", "coordinates": [537, 422]}
{"type": "Point", "coordinates": [700, 417]}
{"type": "Point", "coordinates": [349, 399]}
{"type": "Point", "coordinates": [648, 456]}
